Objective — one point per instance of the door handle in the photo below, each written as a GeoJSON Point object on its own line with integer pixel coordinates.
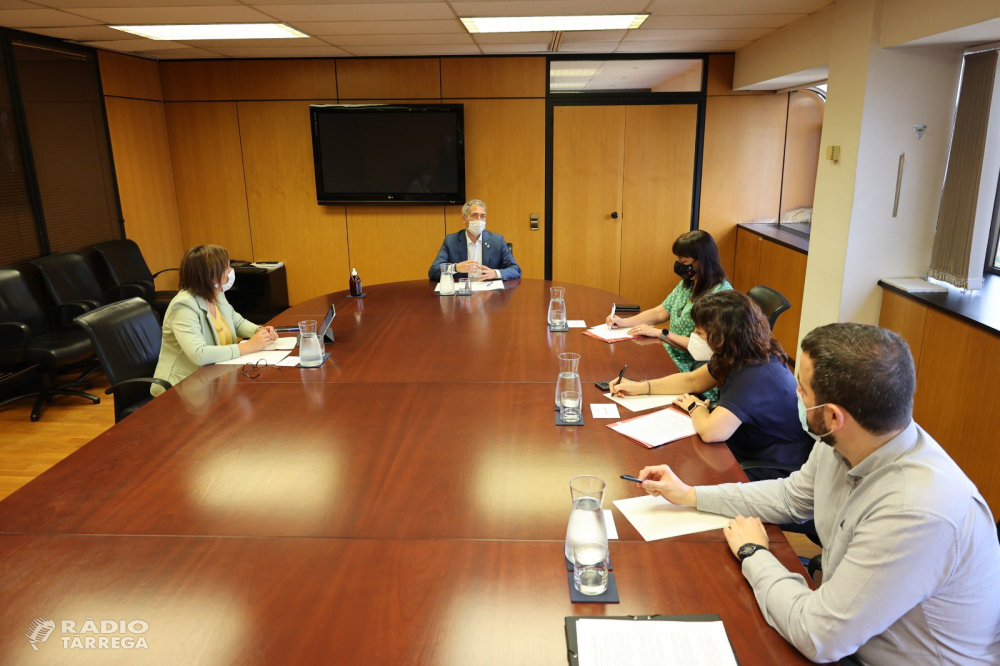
{"type": "Point", "coordinates": [614, 216]}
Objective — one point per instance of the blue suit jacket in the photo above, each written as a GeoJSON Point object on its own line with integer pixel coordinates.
{"type": "Point", "coordinates": [496, 254]}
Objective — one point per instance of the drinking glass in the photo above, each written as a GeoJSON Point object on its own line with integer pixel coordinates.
{"type": "Point", "coordinates": [464, 287]}
{"type": "Point", "coordinates": [310, 347]}
{"type": "Point", "coordinates": [569, 376]}
{"type": "Point", "coordinates": [474, 273]}
{"type": "Point", "coordinates": [590, 567]}
{"type": "Point", "coordinates": [570, 408]}
{"type": "Point", "coordinates": [557, 307]}
{"type": "Point", "coordinates": [586, 520]}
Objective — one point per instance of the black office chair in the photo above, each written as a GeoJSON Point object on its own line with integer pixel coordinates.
{"type": "Point", "coordinates": [126, 265]}
{"type": "Point", "coordinates": [127, 338]}
{"type": "Point", "coordinates": [24, 340]}
{"type": "Point", "coordinates": [68, 279]}
{"type": "Point", "coordinates": [770, 301]}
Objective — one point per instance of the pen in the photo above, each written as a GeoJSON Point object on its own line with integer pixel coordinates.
{"type": "Point", "coordinates": [612, 324]}
{"type": "Point", "coordinates": [621, 374]}
{"type": "Point", "coordinates": [631, 478]}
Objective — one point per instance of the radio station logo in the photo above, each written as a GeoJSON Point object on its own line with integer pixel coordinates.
{"type": "Point", "coordinates": [92, 635]}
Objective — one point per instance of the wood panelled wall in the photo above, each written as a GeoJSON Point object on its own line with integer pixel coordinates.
{"type": "Point", "coordinates": [138, 129]}
{"type": "Point", "coordinates": [237, 168]}
{"type": "Point", "coordinates": [954, 359]}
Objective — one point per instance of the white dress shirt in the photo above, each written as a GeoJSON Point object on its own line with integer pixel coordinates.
{"type": "Point", "coordinates": [476, 255]}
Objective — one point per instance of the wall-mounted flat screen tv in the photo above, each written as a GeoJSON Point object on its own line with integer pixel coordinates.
{"type": "Point", "coordinates": [389, 153]}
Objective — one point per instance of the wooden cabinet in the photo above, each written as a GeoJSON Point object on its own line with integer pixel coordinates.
{"type": "Point", "coordinates": [762, 261]}
{"type": "Point", "coordinates": [621, 194]}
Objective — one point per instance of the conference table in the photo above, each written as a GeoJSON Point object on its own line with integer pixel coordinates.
{"type": "Point", "coordinates": [404, 503]}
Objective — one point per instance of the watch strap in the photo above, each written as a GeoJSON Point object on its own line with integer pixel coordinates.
{"type": "Point", "coordinates": [748, 549]}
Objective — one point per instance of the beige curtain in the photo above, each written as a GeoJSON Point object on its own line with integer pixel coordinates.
{"type": "Point", "coordinates": [957, 214]}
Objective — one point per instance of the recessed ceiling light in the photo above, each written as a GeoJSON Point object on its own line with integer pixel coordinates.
{"type": "Point", "coordinates": [568, 85]}
{"type": "Point", "coordinates": [574, 72]}
{"type": "Point", "coordinates": [187, 33]}
{"type": "Point", "coordinates": [481, 24]}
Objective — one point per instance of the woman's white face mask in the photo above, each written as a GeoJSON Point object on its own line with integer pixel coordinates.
{"type": "Point", "coordinates": [230, 281]}
{"type": "Point", "coordinates": [698, 348]}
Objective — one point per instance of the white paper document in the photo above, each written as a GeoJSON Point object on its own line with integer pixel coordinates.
{"type": "Point", "coordinates": [492, 285]}
{"type": "Point", "coordinates": [283, 344]}
{"type": "Point", "coordinates": [655, 518]}
{"type": "Point", "coordinates": [605, 333]}
{"type": "Point", "coordinates": [576, 323]}
{"type": "Point", "coordinates": [270, 357]}
{"type": "Point", "coordinates": [606, 642]}
{"type": "Point", "coordinates": [640, 403]}
{"type": "Point", "coordinates": [657, 428]}
{"type": "Point", "coordinates": [288, 362]}
{"type": "Point", "coordinates": [609, 523]}
{"type": "Point", "coordinates": [600, 411]}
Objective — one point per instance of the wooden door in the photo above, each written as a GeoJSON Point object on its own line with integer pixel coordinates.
{"type": "Point", "coordinates": [588, 152]}
{"type": "Point", "coordinates": [656, 199]}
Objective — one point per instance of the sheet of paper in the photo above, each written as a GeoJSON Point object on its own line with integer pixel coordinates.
{"type": "Point", "coordinates": [492, 285]}
{"type": "Point", "coordinates": [605, 642]}
{"type": "Point", "coordinates": [271, 357]}
{"type": "Point", "coordinates": [601, 411]}
{"type": "Point", "coordinates": [640, 403]}
{"type": "Point", "coordinates": [576, 323]}
{"type": "Point", "coordinates": [288, 362]}
{"type": "Point", "coordinates": [283, 344]}
{"type": "Point", "coordinates": [657, 428]}
{"type": "Point", "coordinates": [605, 333]}
{"type": "Point", "coordinates": [655, 518]}
{"type": "Point", "coordinates": [609, 523]}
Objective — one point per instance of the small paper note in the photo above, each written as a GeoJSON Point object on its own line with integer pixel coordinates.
{"type": "Point", "coordinates": [289, 362]}
{"type": "Point", "coordinates": [576, 323]}
{"type": "Point", "coordinates": [602, 411]}
{"type": "Point", "coordinates": [656, 518]}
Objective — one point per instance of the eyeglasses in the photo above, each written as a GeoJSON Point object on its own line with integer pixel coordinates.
{"type": "Point", "coordinates": [477, 216]}
{"type": "Point", "coordinates": [252, 368]}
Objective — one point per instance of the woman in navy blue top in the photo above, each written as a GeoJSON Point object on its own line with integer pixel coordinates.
{"type": "Point", "coordinates": [757, 413]}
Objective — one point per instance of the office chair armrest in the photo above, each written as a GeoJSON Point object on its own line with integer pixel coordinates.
{"type": "Point", "coordinates": [815, 564]}
{"type": "Point", "coordinates": [761, 464]}
{"type": "Point", "coordinates": [139, 380]}
{"type": "Point", "coordinates": [165, 270]}
{"type": "Point", "coordinates": [123, 291]}
{"type": "Point", "coordinates": [14, 336]}
{"type": "Point", "coordinates": [80, 306]}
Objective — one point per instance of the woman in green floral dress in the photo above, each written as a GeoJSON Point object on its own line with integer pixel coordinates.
{"type": "Point", "coordinates": [698, 265]}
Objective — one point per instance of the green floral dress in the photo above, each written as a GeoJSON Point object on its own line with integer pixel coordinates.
{"type": "Point", "coordinates": [679, 304]}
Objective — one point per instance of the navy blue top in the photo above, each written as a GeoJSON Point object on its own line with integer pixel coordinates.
{"type": "Point", "coordinates": [763, 398]}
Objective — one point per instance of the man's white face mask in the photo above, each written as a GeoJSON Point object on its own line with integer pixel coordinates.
{"type": "Point", "coordinates": [476, 227]}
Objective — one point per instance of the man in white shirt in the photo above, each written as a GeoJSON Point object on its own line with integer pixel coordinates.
{"type": "Point", "coordinates": [475, 250]}
{"type": "Point", "coordinates": [911, 563]}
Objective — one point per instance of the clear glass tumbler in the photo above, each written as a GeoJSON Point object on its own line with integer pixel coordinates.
{"type": "Point", "coordinates": [571, 410]}
{"type": "Point", "coordinates": [590, 568]}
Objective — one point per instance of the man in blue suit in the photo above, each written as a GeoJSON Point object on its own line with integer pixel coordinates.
{"type": "Point", "coordinates": [475, 247]}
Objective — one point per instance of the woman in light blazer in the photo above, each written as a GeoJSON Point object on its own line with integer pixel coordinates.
{"type": "Point", "coordinates": [200, 326]}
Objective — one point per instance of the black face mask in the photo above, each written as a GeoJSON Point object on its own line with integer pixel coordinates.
{"type": "Point", "coordinates": [685, 271]}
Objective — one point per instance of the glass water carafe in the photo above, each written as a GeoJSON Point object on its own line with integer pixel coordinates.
{"type": "Point", "coordinates": [557, 307]}
{"type": "Point", "coordinates": [586, 520]}
{"type": "Point", "coordinates": [310, 346]}
{"type": "Point", "coordinates": [447, 280]}
{"type": "Point", "coordinates": [569, 375]}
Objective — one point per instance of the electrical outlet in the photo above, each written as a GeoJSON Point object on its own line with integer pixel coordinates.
{"type": "Point", "coordinates": [833, 153]}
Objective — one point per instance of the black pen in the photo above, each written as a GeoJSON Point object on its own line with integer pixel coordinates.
{"type": "Point", "coordinates": [631, 478]}
{"type": "Point", "coordinates": [621, 374]}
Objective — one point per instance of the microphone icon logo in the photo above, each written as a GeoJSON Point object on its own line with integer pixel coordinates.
{"type": "Point", "coordinates": [39, 631]}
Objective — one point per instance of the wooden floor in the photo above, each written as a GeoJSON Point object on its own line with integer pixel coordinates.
{"type": "Point", "coordinates": [27, 449]}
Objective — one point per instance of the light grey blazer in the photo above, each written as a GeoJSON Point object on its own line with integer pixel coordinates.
{"type": "Point", "coordinates": [189, 338]}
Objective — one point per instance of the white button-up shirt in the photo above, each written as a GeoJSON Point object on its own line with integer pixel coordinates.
{"type": "Point", "coordinates": [475, 248]}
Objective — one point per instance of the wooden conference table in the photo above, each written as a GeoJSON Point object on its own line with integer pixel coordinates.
{"type": "Point", "coordinates": [406, 503]}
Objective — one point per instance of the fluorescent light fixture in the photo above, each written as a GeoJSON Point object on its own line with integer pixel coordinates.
{"type": "Point", "coordinates": [568, 85]}
{"type": "Point", "coordinates": [189, 33]}
{"type": "Point", "coordinates": [574, 72]}
{"type": "Point", "coordinates": [480, 24]}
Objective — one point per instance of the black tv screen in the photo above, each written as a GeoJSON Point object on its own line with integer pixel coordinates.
{"type": "Point", "coordinates": [389, 153]}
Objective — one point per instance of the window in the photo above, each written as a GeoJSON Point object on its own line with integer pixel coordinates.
{"type": "Point", "coordinates": [993, 253]}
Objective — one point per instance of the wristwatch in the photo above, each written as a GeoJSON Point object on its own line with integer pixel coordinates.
{"type": "Point", "coordinates": [663, 334]}
{"type": "Point", "coordinates": [748, 549]}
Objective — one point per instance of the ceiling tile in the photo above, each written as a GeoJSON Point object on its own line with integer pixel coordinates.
{"type": "Point", "coordinates": [516, 48]}
{"type": "Point", "coordinates": [72, 4]}
{"type": "Point", "coordinates": [181, 53]}
{"type": "Point", "coordinates": [397, 11]}
{"type": "Point", "coordinates": [90, 33]}
{"type": "Point", "coordinates": [588, 47]}
{"type": "Point", "coordinates": [720, 34]}
{"type": "Point", "coordinates": [410, 40]}
{"type": "Point", "coordinates": [444, 49]}
{"type": "Point", "coordinates": [675, 46]}
{"type": "Point", "coordinates": [40, 18]}
{"type": "Point", "coordinates": [154, 15]}
{"type": "Point", "coordinates": [547, 7]}
{"type": "Point", "coordinates": [212, 44]}
{"type": "Point", "coordinates": [323, 28]}
{"type": "Point", "coordinates": [664, 22]}
{"type": "Point", "coordinates": [136, 45]}
{"type": "Point", "coordinates": [706, 7]}
{"type": "Point", "coordinates": [512, 37]}
{"type": "Point", "coordinates": [285, 52]}
{"type": "Point", "coordinates": [594, 35]}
